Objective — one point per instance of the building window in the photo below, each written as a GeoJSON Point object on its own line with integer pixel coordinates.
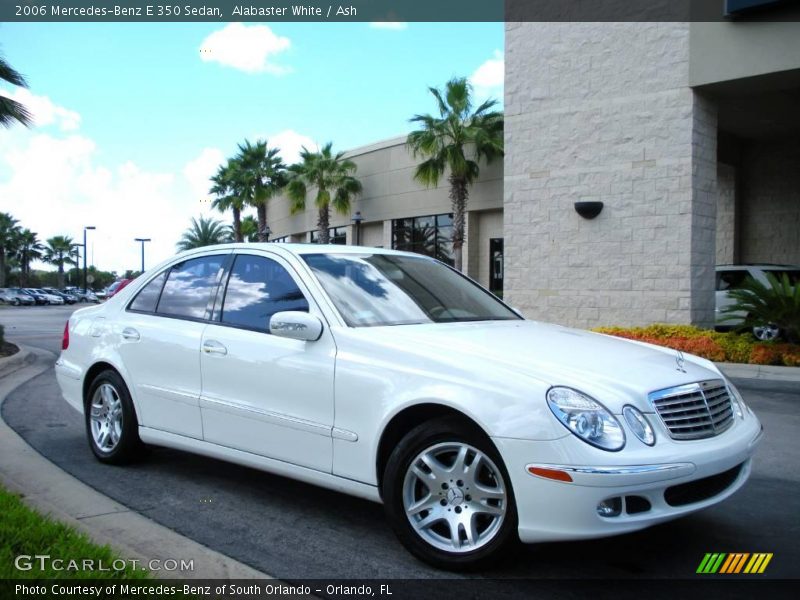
{"type": "Point", "coordinates": [281, 240]}
{"type": "Point", "coordinates": [496, 266]}
{"type": "Point", "coordinates": [429, 235]}
{"type": "Point", "coordinates": [337, 235]}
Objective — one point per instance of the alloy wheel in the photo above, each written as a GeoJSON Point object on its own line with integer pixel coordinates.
{"type": "Point", "coordinates": [454, 497]}
{"type": "Point", "coordinates": [106, 417]}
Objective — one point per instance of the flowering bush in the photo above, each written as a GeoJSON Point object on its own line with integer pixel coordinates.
{"type": "Point", "coordinates": [710, 344]}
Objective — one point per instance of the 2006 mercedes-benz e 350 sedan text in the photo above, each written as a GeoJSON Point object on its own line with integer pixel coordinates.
{"type": "Point", "coordinates": [392, 377]}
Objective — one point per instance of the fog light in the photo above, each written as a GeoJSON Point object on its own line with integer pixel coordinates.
{"type": "Point", "coordinates": [612, 507]}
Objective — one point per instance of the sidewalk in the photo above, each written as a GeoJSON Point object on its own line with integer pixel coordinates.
{"type": "Point", "coordinates": [769, 372]}
{"type": "Point", "coordinates": [54, 492]}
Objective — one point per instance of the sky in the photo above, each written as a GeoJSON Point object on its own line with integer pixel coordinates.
{"type": "Point", "coordinates": [133, 119]}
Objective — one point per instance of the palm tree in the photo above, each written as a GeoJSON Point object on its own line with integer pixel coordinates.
{"type": "Point", "coordinates": [455, 142]}
{"type": "Point", "coordinates": [229, 196]}
{"type": "Point", "coordinates": [332, 176]}
{"type": "Point", "coordinates": [11, 110]}
{"type": "Point", "coordinates": [9, 239]}
{"type": "Point", "coordinates": [204, 232]}
{"type": "Point", "coordinates": [59, 251]}
{"type": "Point", "coordinates": [250, 229]}
{"type": "Point", "coordinates": [29, 249]}
{"type": "Point", "coordinates": [261, 175]}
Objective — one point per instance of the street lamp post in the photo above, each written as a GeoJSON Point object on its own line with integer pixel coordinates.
{"type": "Point", "coordinates": [84, 254]}
{"type": "Point", "coordinates": [77, 262]}
{"type": "Point", "coordinates": [142, 240]}
{"type": "Point", "coordinates": [357, 219]}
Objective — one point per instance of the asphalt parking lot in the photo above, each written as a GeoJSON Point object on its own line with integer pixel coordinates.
{"type": "Point", "coordinates": [296, 531]}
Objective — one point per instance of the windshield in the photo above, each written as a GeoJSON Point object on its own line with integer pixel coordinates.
{"type": "Point", "coordinates": [385, 289]}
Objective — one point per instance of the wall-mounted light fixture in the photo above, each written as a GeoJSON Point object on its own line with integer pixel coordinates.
{"type": "Point", "coordinates": [588, 209]}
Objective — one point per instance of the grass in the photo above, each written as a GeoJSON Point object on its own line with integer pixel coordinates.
{"type": "Point", "coordinates": [25, 532]}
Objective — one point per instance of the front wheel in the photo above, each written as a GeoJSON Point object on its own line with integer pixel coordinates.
{"type": "Point", "coordinates": [111, 423]}
{"type": "Point", "coordinates": [448, 496]}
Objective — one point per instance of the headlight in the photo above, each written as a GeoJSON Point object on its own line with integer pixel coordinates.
{"type": "Point", "coordinates": [639, 425]}
{"type": "Point", "coordinates": [586, 418]}
{"type": "Point", "coordinates": [739, 407]}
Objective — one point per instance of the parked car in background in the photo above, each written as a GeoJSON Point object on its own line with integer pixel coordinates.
{"type": "Point", "coordinates": [118, 286]}
{"type": "Point", "coordinates": [83, 297]}
{"type": "Point", "coordinates": [49, 297]}
{"type": "Point", "coordinates": [731, 277]}
{"type": "Point", "coordinates": [391, 376]}
{"type": "Point", "coordinates": [38, 297]}
{"type": "Point", "coordinates": [68, 298]}
{"type": "Point", "coordinates": [15, 297]}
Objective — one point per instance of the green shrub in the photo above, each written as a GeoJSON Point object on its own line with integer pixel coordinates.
{"type": "Point", "coordinates": [777, 303]}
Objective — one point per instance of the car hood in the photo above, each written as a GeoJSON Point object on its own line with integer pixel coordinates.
{"type": "Point", "coordinates": [614, 370]}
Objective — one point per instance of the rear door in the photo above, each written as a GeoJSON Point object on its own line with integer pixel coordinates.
{"type": "Point", "coordinates": [160, 333]}
{"type": "Point", "coordinates": [261, 393]}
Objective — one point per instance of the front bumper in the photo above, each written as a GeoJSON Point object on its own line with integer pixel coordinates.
{"type": "Point", "coordinates": [648, 481]}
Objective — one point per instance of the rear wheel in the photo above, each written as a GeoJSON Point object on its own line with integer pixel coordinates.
{"type": "Point", "coordinates": [448, 496]}
{"type": "Point", "coordinates": [111, 424]}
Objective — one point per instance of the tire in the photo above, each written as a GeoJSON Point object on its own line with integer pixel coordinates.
{"type": "Point", "coordinates": [412, 492]}
{"type": "Point", "coordinates": [16, 302]}
{"type": "Point", "coordinates": [111, 425]}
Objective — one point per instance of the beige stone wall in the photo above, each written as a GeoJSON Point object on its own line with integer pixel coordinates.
{"type": "Point", "coordinates": [726, 214]}
{"type": "Point", "coordinates": [604, 112]}
{"type": "Point", "coordinates": [771, 203]}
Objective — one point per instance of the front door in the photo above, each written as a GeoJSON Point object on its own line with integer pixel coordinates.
{"type": "Point", "coordinates": [261, 393]}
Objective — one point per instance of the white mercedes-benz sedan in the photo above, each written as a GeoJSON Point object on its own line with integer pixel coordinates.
{"type": "Point", "coordinates": [390, 376]}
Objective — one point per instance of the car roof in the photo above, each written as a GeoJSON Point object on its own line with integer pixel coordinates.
{"type": "Point", "coordinates": [300, 249]}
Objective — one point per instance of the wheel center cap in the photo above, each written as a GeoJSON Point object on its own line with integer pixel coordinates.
{"type": "Point", "coordinates": [455, 496]}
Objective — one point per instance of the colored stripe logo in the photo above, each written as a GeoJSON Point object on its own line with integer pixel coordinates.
{"type": "Point", "coordinates": [734, 563]}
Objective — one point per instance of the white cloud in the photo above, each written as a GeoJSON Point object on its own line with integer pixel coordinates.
{"type": "Point", "coordinates": [56, 186]}
{"type": "Point", "coordinates": [198, 172]}
{"type": "Point", "coordinates": [44, 111]}
{"type": "Point", "coordinates": [249, 48]}
{"type": "Point", "coordinates": [391, 25]}
{"type": "Point", "coordinates": [488, 78]}
{"type": "Point", "coordinates": [290, 143]}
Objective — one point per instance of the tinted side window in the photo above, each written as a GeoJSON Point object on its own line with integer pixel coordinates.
{"type": "Point", "coordinates": [730, 280]}
{"type": "Point", "coordinates": [257, 288]}
{"type": "Point", "coordinates": [147, 298]}
{"type": "Point", "coordinates": [189, 286]}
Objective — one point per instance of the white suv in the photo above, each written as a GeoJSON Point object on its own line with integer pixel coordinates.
{"type": "Point", "coordinates": [731, 277]}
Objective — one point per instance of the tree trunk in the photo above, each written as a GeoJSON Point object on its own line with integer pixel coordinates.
{"type": "Point", "coordinates": [323, 225]}
{"type": "Point", "coordinates": [2, 267]}
{"type": "Point", "coordinates": [237, 225]}
{"type": "Point", "coordinates": [61, 276]}
{"type": "Point", "coordinates": [261, 211]}
{"type": "Point", "coordinates": [458, 201]}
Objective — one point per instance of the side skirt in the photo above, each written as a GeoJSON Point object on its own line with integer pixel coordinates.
{"type": "Point", "coordinates": [278, 467]}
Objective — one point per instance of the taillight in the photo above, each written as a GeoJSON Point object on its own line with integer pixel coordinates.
{"type": "Point", "coordinates": [65, 338]}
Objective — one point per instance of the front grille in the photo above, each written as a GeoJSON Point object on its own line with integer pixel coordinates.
{"type": "Point", "coordinates": [694, 411]}
{"type": "Point", "coordinates": [701, 489]}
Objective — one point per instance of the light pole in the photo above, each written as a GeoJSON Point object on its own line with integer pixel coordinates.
{"type": "Point", "coordinates": [84, 254]}
{"type": "Point", "coordinates": [142, 240]}
{"type": "Point", "coordinates": [357, 219]}
{"type": "Point", "coordinates": [77, 262]}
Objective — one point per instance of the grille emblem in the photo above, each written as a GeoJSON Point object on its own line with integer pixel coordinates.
{"type": "Point", "coordinates": [681, 362]}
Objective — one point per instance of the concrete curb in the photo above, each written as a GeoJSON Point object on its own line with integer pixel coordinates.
{"type": "Point", "coordinates": [740, 371]}
{"type": "Point", "coordinates": [55, 492]}
{"type": "Point", "coordinates": [9, 364]}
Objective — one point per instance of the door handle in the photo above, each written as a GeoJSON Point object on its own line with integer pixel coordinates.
{"type": "Point", "coordinates": [129, 333]}
{"type": "Point", "coordinates": [214, 347]}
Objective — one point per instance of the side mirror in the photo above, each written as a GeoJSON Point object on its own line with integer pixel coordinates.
{"type": "Point", "coordinates": [296, 325]}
